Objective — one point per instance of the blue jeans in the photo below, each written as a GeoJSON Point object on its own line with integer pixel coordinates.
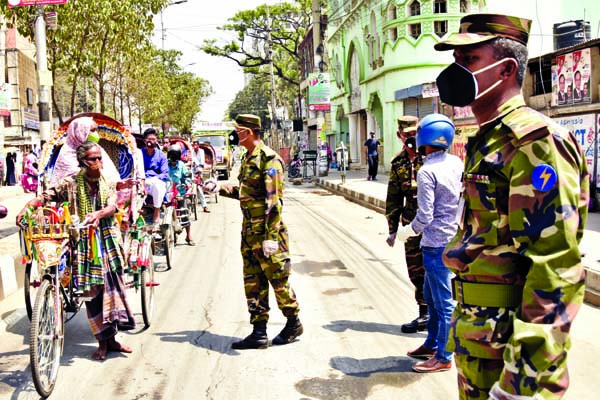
{"type": "Point", "coordinates": [438, 295]}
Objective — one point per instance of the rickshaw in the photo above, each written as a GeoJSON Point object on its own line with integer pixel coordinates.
{"type": "Point", "coordinates": [191, 194]}
{"type": "Point", "coordinates": [49, 242]}
{"type": "Point", "coordinates": [209, 171]}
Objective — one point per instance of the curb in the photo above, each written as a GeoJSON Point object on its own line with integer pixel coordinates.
{"type": "Point", "coordinates": [352, 195]}
{"type": "Point", "coordinates": [592, 277]}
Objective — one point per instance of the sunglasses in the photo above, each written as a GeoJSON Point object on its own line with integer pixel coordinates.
{"type": "Point", "coordinates": [93, 159]}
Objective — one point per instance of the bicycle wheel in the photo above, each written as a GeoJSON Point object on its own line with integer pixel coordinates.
{"type": "Point", "coordinates": [31, 284]}
{"type": "Point", "coordinates": [147, 292]}
{"type": "Point", "coordinates": [46, 335]}
{"type": "Point", "coordinates": [169, 244]}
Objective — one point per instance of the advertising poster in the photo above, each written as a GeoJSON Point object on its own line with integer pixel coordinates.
{"type": "Point", "coordinates": [585, 130]}
{"type": "Point", "coordinates": [318, 92]}
{"type": "Point", "coordinates": [581, 63]}
{"type": "Point", "coordinates": [571, 78]}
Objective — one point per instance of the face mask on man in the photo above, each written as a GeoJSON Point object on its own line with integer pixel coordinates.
{"type": "Point", "coordinates": [411, 143]}
{"type": "Point", "coordinates": [458, 86]}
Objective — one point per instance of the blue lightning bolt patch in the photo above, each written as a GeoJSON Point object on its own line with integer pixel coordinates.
{"type": "Point", "coordinates": [271, 171]}
{"type": "Point", "coordinates": [544, 177]}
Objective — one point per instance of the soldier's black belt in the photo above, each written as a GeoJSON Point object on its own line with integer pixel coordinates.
{"type": "Point", "coordinates": [486, 294]}
{"type": "Point", "coordinates": [255, 212]}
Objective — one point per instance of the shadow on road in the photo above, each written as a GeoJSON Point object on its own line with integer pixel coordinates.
{"type": "Point", "coordinates": [359, 377]}
{"type": "Point", "coordinates": [205, 339]}
{"type": "Point", "coordinates": [361, 326]}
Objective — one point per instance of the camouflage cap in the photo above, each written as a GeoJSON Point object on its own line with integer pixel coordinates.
{"type": "Point", "coordinates": [478, 28]}
{"type": "Point", "coordinates": [408, 122]}
{"type": "Point", "coordinates": [248, 121]}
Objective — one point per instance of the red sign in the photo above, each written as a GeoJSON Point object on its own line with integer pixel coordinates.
{"type": "Point", "coordinates": [17, 3]}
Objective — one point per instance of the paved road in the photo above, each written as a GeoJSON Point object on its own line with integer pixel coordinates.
{"type": "Point", "coordinates": [354, 294]}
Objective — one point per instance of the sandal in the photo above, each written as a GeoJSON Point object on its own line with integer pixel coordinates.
{"type": "Point", "coordinates": [190, 242]}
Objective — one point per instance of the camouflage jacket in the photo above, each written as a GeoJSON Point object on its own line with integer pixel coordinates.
{"type": "Point", "coordinates": [401, 199]}
{"type": "Point", "coordinates": [260, 191]}
{"type": "Point", "coordinates": [526, 191]}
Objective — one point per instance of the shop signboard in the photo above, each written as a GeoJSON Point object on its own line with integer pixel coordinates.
{"type": "Point", "coordinates": [585, 129]}
{"type": "Point", "coordinates": [19, 3]}
{"type": "Point", "coordinates": [4, 99]}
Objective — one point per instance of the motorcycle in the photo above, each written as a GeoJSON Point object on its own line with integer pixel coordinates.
{"type": "Point", "coordinates": [295, 167]}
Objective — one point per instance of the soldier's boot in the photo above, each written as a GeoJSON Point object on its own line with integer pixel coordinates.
{"type": "Point", "coordinates": [419, 323]}
{"type": "Point", "coordinates": [256, 340]}
{"type": "Point", "coordinates": [292, 329]}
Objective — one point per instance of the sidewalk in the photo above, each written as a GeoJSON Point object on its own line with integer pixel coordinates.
{"type": "Point", "coordinates": [372, 194]}
{"type": "Point", "coordinates": [11, 269]}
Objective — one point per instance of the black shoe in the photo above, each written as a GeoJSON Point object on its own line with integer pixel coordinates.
{"type": "Point", "coordinates": [416, 325]}
{"type": "Point", "coordinates": [256, 340]}
{"type": "Point", "coordinates": [292, 329]}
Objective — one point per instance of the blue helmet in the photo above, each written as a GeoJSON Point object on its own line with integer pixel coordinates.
{"type": "Point", "coordinates": [435, 130]}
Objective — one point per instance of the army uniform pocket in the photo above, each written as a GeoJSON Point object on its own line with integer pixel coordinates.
{"type": "Point", "coordinates": [481, 216]}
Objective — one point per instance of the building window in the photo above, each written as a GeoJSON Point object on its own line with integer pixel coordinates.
{"type": "Point", "coordinates": [415, 8]}
{"type": "Point", "coordinates": [29, 93]}
{"type": "Point", "coordinates": [464, 6]}
{"type": "Point", "coordinates": [541, 77]}
{"type": "Point", "coordinates": [440, 27]}
{"type": "Point", "coordinates": [440, 7]}
{"type": "Point", "coordinates": [393, 34]}
{"type": "Point", "coordinates": [414, 30]}
{"type": "Point", "coordinates": [392, 13]}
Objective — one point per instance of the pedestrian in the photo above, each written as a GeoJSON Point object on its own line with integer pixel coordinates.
{"type": "Point", "coordinates": [329, 155]}
{"type": "Point", "coordinates": [372, 156]}
{"type": "Point", "coordinates": [401, 205]}
{"type": "Point", "coordinates": [519, 277]}
{"type": "Point", "coordinates": [264, 245]}
{"type": "Point", "coordinates": [178, 173]}
{"type": "Point", "coordinates": [92, 198]}
{"type": "Point", "coordinates": [11, 180]}
{"type": "Point", "coordinates": [29, 179]}
{"type": "Point", "coordinates": [439, 187]}
{"type": "Point", "coordinates": [66, 162]}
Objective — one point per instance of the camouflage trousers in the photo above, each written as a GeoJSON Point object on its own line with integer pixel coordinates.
{"type": "Point", "coordinates": [260, 271]}
{"type": "Point", "coordinates": [476, 376]}
{"type": "Point", "coordinates": [414, 264]}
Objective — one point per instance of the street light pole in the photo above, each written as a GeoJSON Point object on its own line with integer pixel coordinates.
{"type": "Point", "coordinates": [44, 76]}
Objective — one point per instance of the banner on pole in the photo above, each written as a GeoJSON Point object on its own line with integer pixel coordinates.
{"type": "Point", "coordinates": [20, 3]}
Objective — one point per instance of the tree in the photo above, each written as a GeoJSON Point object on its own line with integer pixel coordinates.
{"type": "Point", "coordinates": [289, 25]}
{"type": "Point", "coordinates": [89, 36]}
{"type": "Point", "coordinates": [253, 99]}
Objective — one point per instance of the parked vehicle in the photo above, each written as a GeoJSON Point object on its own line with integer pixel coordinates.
{"type": "Point", "coordinates": [222, 139]}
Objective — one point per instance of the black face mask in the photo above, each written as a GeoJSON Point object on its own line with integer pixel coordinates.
{"type": "Point", "coordinates": [411, 143]}
{"type": "Point", "coordinates": [457, 86]}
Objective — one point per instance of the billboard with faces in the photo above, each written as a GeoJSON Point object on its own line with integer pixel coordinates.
{"type": "Point", "coordinates": [571, 78]}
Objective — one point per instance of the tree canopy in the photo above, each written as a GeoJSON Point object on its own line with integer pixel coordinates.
{"type": "Point", "coordinates": [287, 24]}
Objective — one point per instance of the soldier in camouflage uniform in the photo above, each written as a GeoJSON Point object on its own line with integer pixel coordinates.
{"type": "Point", "coordinates": [519, 277]}
{"type": "Point", "coordinates": [401, 203]}
{"type": "Point", "coordinates": [264, 237]}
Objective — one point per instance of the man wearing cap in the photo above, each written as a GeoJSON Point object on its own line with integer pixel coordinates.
{"type": "Point", "coordinates": [264, 237]}
{"type": "Point", "coordinates": [519, 278]}
{"type": "Point", "coordinates": [401, 203]}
